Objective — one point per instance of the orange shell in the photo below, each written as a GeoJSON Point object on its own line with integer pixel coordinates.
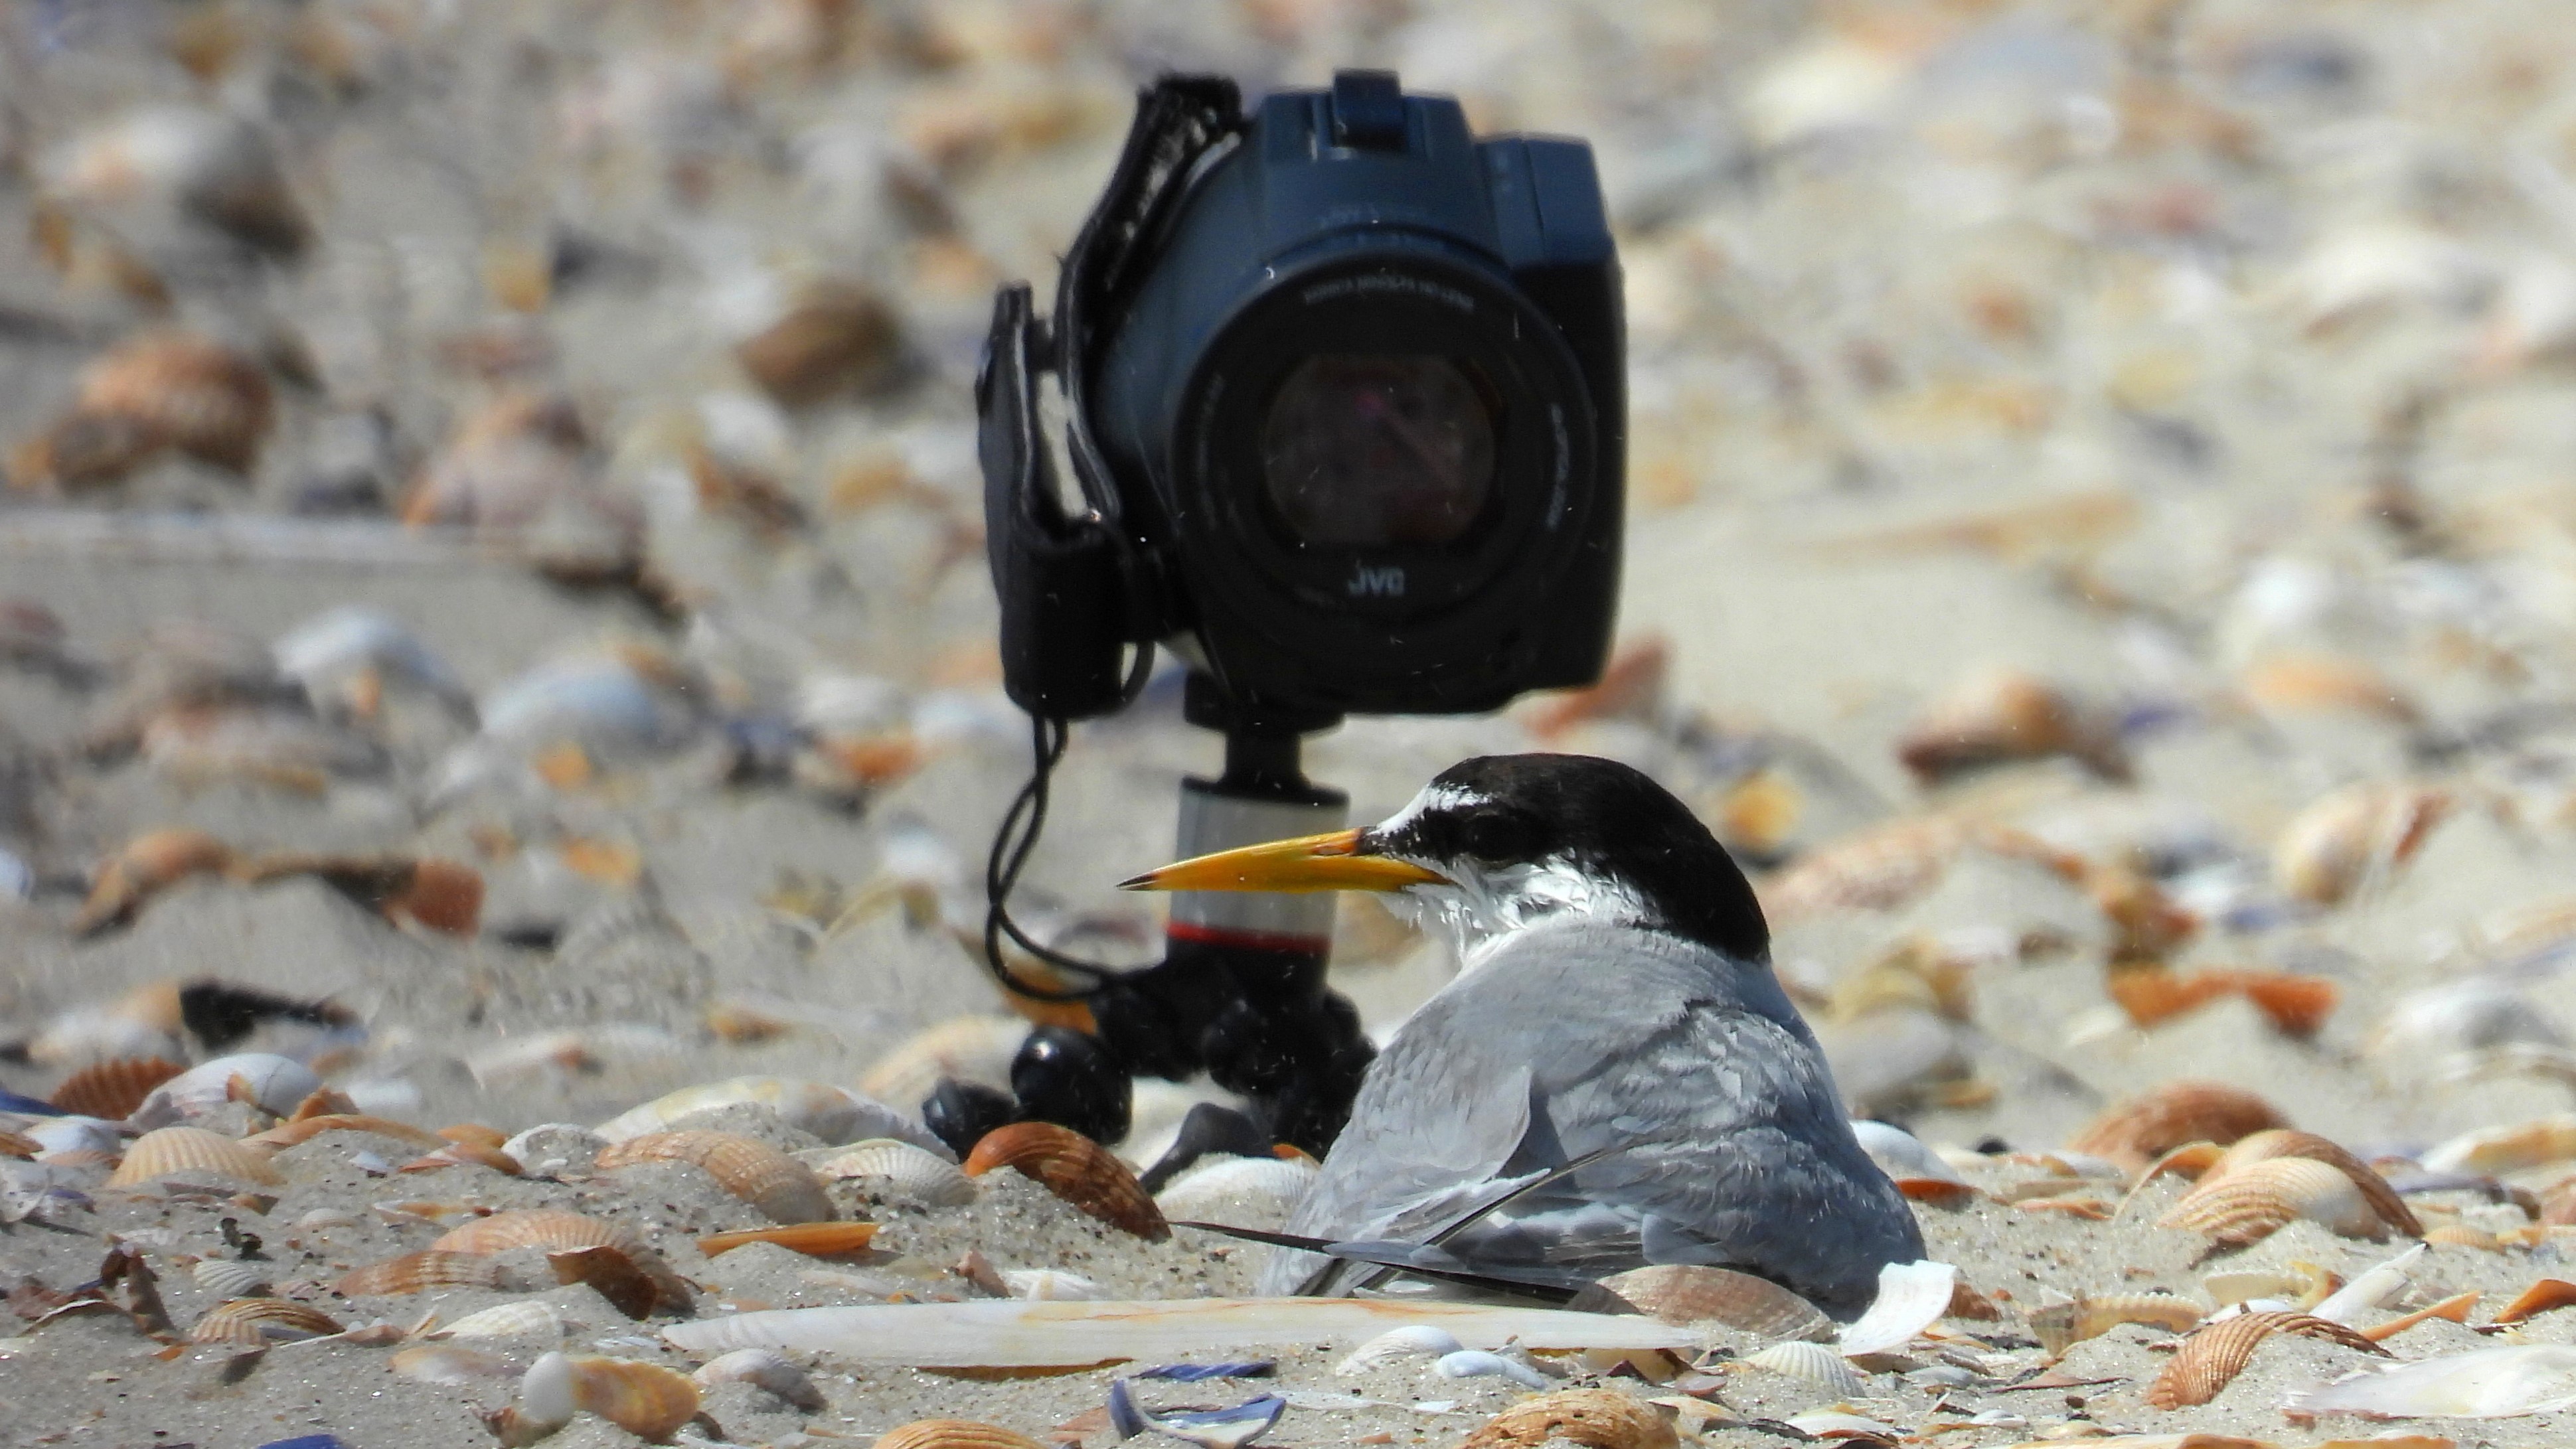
{"type": "Point", "coordinates": [144, 867]}
{"type": "Point", "coordinates": [2172, 1115]}
{"type": "Point", "coordinates": [442, 896]}
{"type": "Point", "coordinates": [1074, 1168]}
{"type": "Point", "coordinates": [2003, 717]}
{"type": "Point", "coordinates": [204, 399]}
{"type": "Point", "coordinates": [2284, 1142]}
{"type": "Point", "coordinates": [305, 1129]}
{"type": "Point", "coordinates": [2250, 1203]}
{"type": "Point", "coordinates": [1688, 1293]}
{"type": "Point", "coordinates": [644, 1399]}
{"type": "Point", "coordinates": [1600, 1418]}
{"type": "Point", "coordinates": [81, 451]}
{"type": "Point", "coordinates": [2060, 1326]}
{"type": "Point", "coordinates": [458, 1154]}
{"type": "Point", "coordinates": [619, 1276]}
{"type": "Point", "coordinates": [2539, 1298]}
{"type": "Point", "coordinates": [952, 1434]}
{"type": "Point", "coordinates": [2454, 1309]}
{"type": "Point", "coordinates": [1939, 1191]}
{"type": "Point", "coordinates": [323, 1102]}
{"type": "Point", "coordinates": [2352, 835]}
{"type": "Point", "coordinates": [784, 1189]}
{"type": "Point", "coordinates": [1629, 687]}
{"type": "Point", "coordinates": [2154, 994]}
{"type": "Point", "coordinates": [170, 1150]}
{"type": "Point", "coordinates": [114, 1089]}
{"type": "Point", "coordinates": [415, 1272]}
{"type": "Point", "coordinates": [2210, 1359]}
{"type": "Point", "coordinates": [475, 1134]}
{"type": "Point", "coordinates": [815, 1240]}
{"type": "Point", "coordinates": [257, 1322]}
{"type": "Point", "coordinates": [840, 338]}
{"type": "Point", "coordinates": [13, 1145]}
{"type": "Point", "coordinates": [549, 1228]}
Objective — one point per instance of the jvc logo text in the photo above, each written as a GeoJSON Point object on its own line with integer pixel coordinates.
{"type": "Point", "coordinates": [1375, 583]}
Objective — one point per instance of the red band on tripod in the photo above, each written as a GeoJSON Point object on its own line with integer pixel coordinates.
{"type": "Point", "coordinates": [1281, 941]}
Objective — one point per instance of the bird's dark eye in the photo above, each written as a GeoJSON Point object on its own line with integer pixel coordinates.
{"type": "Point", "coordinates": [1498, 835]}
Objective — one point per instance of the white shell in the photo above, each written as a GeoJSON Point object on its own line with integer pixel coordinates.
{"type": "Point", "coordinates": [905, 1170]}
{"type": "Point", "coordinates": [1470, 1363]}
{"type": "Point", "coordinates": [2509, 1148]}
{"type": "Point", "coordinates": [1052, 1285]}
{"type": "Point", "coordinates": [764, 1368]}
{"type": "Point", "coordinates": [831, 1113]}
{"type": "Point", "coordinates": [228, 1278]}
{"type": "Point", "coordinates": [1911, 1296]}
{"type": "Point", "coordinates": [2491, 1383]}
{"type": "Point", "coordinates": [274, 1084]}
{"type": "Point", "coordinates": [1419, 1340]}
{"type": "Point", "coordinates": [1900, 1153]}
{"type": "Point", "coordinates": [323, 652]}
{"type": "Point", "coordinates": [1819, 1364]}
{"type": "Point", "coordinates": [550, 1149]}
{"type": "Point", "coordinates": [2373, 1289]}
{"type": "Point", "coordinates": [546, 1394]}
{"type": "Point", "coordinates": [1242, 1192]}
{"type": "Point", "coordinates": [75, 1134]}
{"type": "Point", "coordinates": [522, 1318]}
{"type": "Point", "coordinates": [97, 1034]}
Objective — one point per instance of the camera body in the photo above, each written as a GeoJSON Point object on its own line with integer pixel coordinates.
{"type": "Point", "coordinates": [1347, 404]}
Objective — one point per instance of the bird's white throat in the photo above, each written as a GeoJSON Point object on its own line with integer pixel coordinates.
{"type": "Point", "coordinates": [1482, 908]}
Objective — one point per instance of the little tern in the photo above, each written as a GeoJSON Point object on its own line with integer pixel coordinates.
{"type": "Point", "coordinates": [1614, 1009]}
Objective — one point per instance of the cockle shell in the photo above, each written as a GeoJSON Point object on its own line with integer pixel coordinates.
{"type": "Point", "coordinates": [524, 1318]}
{"type": "Point", "coordinates": [144, 867]}
{"type": "Point", "coordinates": [419, 1272]}
{"type": "Point", "coordinates": [2211, 1358]}
{"type": "Point", "coordinates": [2507, 1149]}
{"type": "Point", "coordinates": [827, 1111]}
{"type": "Point", "coordinates": [898, 1169]}
{"type": "Point", "coordinates": [2283, 1142]}
{"type": "Point", "coordinates": [764, 1368]}
{"type": "Point", "coordinates": [1074, 1168]}
{"type": "Point", "coordinates": [2491, 1383]}
{"type": "Point", "coordinates": [1243, 1192]}
{"type": "Point", "coordinates": [174, 1150]}
{"type": "Point", "coordinates": [783, 1188]}
{"type": "Point", "coordinates": [273, 1084]}
{"type": "Point", "coordinates": [2246, 1205]}
{"type": "Point", "coordinates": [1818, 1363]}
{"type": "Point", "coordinates": [229, 1277]}
{"type": "Point", "coordinates": [548, 1228]}
{"type": "Point", "coordinates": [969, 1048]}
{"type": "Point", "coordinates": [254, 1322]}
{"type": "Point", "coordinates": [816, 1240]}
{"type": "Point", "coordinates": [305, 1129]}
{"type": "Point", "coordinates": [1689, 1293]}
{"type": "Point", "coordinates": [2061, 1326]}
{"type": "Point", "coordinates": [113, 1089]}
{"type": "Point", "coordinates": [646, 1400]}
{"type": "Point", "coordinates": [450, 1364]}
{"type": "Point", "coordinates": [2176, 1113]}
{"type": "Point", "coordinates": [952, 1434]}
{"type": "Point", "coordinates": [2354, 836]}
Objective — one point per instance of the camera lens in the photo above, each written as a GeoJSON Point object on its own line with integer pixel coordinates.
{"type": "Point", "coordinates": [1372, 450]}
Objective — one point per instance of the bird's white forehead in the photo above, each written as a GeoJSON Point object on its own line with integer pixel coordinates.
{"type": "Point", "coordinates": [1434, 796]}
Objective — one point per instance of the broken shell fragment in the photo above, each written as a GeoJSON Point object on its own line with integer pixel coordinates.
{"type": "Point", "coordinates": [143, 868]}
{"type": "Point", "coordinates": [2061, 1326]}
{"type": "Point", "coordinates": [257, 1322]}
{"type": "Point", "coordinates": [2003, 717]}
{"type": "Point", "coordinates": [171, 1151]}
{"type": "Point", "coordinates": [1911, 1298]}
{"type": "Point", "coordinates": [2210, 1359]}
{"type": "Point", "coordinates": [548, 1228]}
{"type": "Point", "coordinates": [1689, 1293]}
{"type": "Point", "coordinates": [305, 1129]}
{"type": "Point", "coordinates": [451, 1364]}
{"type": "Point", "coordinates": [2247, 1205]}
{"type": "Point", "coordinates": [905, 1171]}
{"type": "Point", "coordinates": [2172, 1115]}
{"type": "Point", "coordinates": [1419, 1340]}
{"type": "Point", "coordinates": [763, 1368]}
{"type": "Point", "coordinates": [2492, 1383]}
{"type": "Point", "coordinates": [1598, 1418]}
{"type": "Point", "coordinates": [784, 1189]}
{"type": "Point", "coordinates": [2539, 1298]}
{"type": "Point", "coordinates": [1074, 1168]}
{"type": "Point", "coordinates": [419, 1272]}
{"type": "Point", "coordinates": [815, 1240]}
{"type": "Point", "coordinates": [646, 1400]}
{"type": "Point", "coordinates": [616, 1275]}
{"type": "Point", "coordinates": [827, 1111]}
{"type": "Point", "coordinates": [113, 1089]}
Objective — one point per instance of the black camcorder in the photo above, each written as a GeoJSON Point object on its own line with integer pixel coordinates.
{"type": "Point", "coordinates": [1343, 398]}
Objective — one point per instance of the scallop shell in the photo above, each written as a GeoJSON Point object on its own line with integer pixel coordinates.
{"type": "Point", "coordinates": [1686, 1294]}
{"type": "Point", "coordinates": [256, 1322]}
{"type": "Point", "coordinates": [827, 1111]}
{"type": "Point", "coordinates": [2284, 1142]}
{"type": "Point", "coordinates": [2507, 1149]}
{"type": "Point", "coordinates": [1819, 1364]}
{"type": "Point", "coordinates": [764, 1368]}
{"type": "Point", "coordinates": [2172, 1115]}
{"type": "Point", "coordinates": [817, 1240]}
{"type": "Point", "coordinates": [229, 1277]}
{"type": "Point", "coordinates": [419, 1272]}
{"type": "Point", "coordinates": [2352, 837]}
{"type": "Point", "coordinates": [172, 1150]}
{"type": "Point", "coordinates": [2246, 1205]}
{"type": "Point", "coordinates": [952, 1434]}
{"type": "Point", "coordinates": [186, 392]}
{"type": "Point", "coordinates": [271, 1083]}
{"type": "Point", "coordinates": [1076, 1169]}
{"type": "Point", "coordinates": [2211, 1359]}
{"type": "Point", "coordinates": [969, 1048]}
{"type": "Point", "coordinates": [783, 1188]}
{"type": "Point", "coordinates": [449, 1364]}
{"type": "Point", "coordinates": [2539, 1298]}
{"type": "Point", "coordinates": [1243, 1192]}
{"type": "Point", "coordinates": [2061, 1326]}
{"type": "Point", "coordinates": [1600, 1418]}
{"type": "Point", "coordinates": [2002, 717]}
{"type": "Point", "coordinates": [113, 1089]}
{"type": "Point", "coordinates": [144, 867]}
{"type": "Point", "coordinates": [904, 1170]}
{"type": "Point", "coordinates": [524, 1318]}
{"type": "Point", "coordinates": [549, 1228]}
{"type": "Point", "coordinates": [305, 1129]}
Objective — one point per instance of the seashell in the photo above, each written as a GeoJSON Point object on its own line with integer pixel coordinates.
{"type": "Point", "coordinates": [305, 1129]}
{"type": "Point", "coordinates": [186, 392]}
{"type": "Point", "coordinates": [2539, 1298]}
{"type": "Point", "coordinates": [2295, 1005]}
{"type": "Point", "coordinates": [1820, 1364]}
{"type": "Point", "coordinates": [257, 1322]}
{"type": "Point", "coordinates": [815, 1240]}
{"type": "Point", "coordinates": [968, 1048]}
{"type": "Point", "coordinates": [2061, 1326]}
{"type": "Point", "coordinates": [173, 1150]}
{"type": "Point", "coordinates": [2210, 1359]}
{"type": "Point", "coordinates": [1688, 1293]}
{"type": "Point", "coordinates": [1243, 1192]}
{"type": "Point", "coordinates": [1051, 1285]}
{"type": "Point", "coordinates": [2310, 682]}
{"type": "Point", "coordinates": [323, 1102]}
{"type": "Point", "coordinates": [2354, 836]}
{"type": "Point", "coordinates": [2003, 717]}
{"type": "Point", "coordinates": [1074, 1168]}
{"type": "Point", "coordinates": [1632, 686]}
{"type": "Point", "coordinates": [13, 1145]}
{"type": "Point", "coordinates": [764, 1368]}
{"type": "Point", "coordinates": [2246, 1205]}
{"type": "Point", "coordinates": [450, 1364]}
{"type": "Point", "coordinates": [1599, 1418]}
{"type": "Point", "coordinates": [2282, 1142]}
{"type": "Point", "coordinates": [143, 868]}
{"type": "Point", "coordinates": [952, 1434]}
{"type": "Point", "coordinates": [1419, 1340]}
{"type": "Point", "coordinates": [2507, 1149]}
{"type": "Point", "coordinates": [113, 1089]}
{"type": "Point", "coordinates": [343, 657]}
{"type": "Point", "coordinates": [828, 1112]}
{"type": "Point", "coordinates": [418, 1273]}
{"type": "Point", "coordinates": [620, 1277]}
{"type": "Point", "coordinates": [458, 1154]}
{"type": "Point", "coordinates": [552, 1148]}
{"type": "Point", "coordinates": [200, 163]}
{"type": "Point", "coordinates": [78, 450]}
{"type": "Point", "coordinates": [2373, 1289]}
{"type": "Point", "coordinates": [271, 1083]}
{"type": "Point", "coordinates": [1477, 1363]}
{"type": "Point", "coordinates": [2172, 1115]}
{"type": "Point", "coordinates": [2461, 1235]}
{"type": "Point", "coordinates": [646, 1400]}
{"type": "Point", "coordinates": [436, 895]}
{"type": "Point", "coordinates": [1911, 1298]}
{"type": "Point", "coordinates": [840, 337]}
{"type": "Point", "coordinates": [1900, 1154]}
{"type": "Point", "coordinates": [229, 1277]}
{"type": "Point", "coordinates": [2454, 1309]}
{"type": "Point", "coordinates": [905, 1171]}
{"type": "Point", "coordinates": [524, 1318]}
{"type": "Point", "coordinates": [548, 1228]}
{"type": "Point", "coordinates": [783, 1188]}
{"type": "Point", "coordinates": [2484, 1384]}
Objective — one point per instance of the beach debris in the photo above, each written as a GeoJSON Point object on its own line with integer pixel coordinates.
{"type": "Point", "coordinates": [839, 337]}
{"type": "Point", "coordinates": [212, 169]}
{"type": "Point", "coordinates": [230, 1277]}
{"type": "Point", "coordinates": [814, 1239]}
{"type": "Point", "coordinates": [451, 1364]}
{"type": "Point", "coordinates": [2296, 1005]}
{"type": "Point", "coordinates": [2061, 1326]}
{"type": "Point", "coordinates": [2373, 1288]}
{"type": "Point", "coordinates": [646, 1400]}
{"type": "Point", "coordinates": [621, 1278]}
{"type": "Point", "coordinates": [2285, 1142]}
{"type": "Point", "coordinates": [1192, 1373]}
{"type": "Point", "coordinates": [2211, 1358]}
{"type": "Point", "coordinates": [897, 1169]}
{"type": "Point", "coordinates": [2354, 837]}
{"type": "Point", "coordinates": [305, 1129]}
{"type": "Point", "coordinates": [2139, 1132]}
{"type": "Point", "coordinates": [2541, 1297]}
{"type": "Point", "coordinates": [784, 1189]}
{"type": "Point", "coordinates": [2492, 1383]}
{"type": "Point", "coordinates": [176, 1151]}
{"type": "Point", "coordinates": [1470, 1363]}
{"type": "Point", "coordinates": [143, 868]}
{"type": "Point", "coordinates": [1074, 1168]}
{"type": "Point", "coordinates": [832, 1113]}
{"type": "Point", "coordinates": [345, 657]}
{"type": "Point", "coordinates": [1416, 1340]}
{"type": "Point", "coordinates": [1596, 1418]}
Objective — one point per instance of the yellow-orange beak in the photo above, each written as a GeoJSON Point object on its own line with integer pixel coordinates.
{"type": "Point", "coordinates": [1332, 862]}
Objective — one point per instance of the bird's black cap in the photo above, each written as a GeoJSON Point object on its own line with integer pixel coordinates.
{"type": "Point", "coordinates": [1604, 817]}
